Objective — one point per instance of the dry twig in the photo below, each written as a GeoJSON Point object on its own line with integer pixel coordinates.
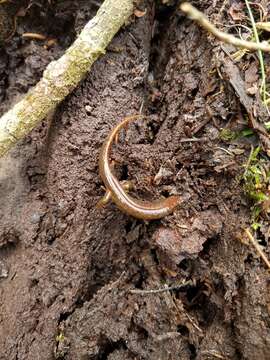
{"type": "Point", "coordinates": [198, 16]}
{"type": "Point", "coordinates": [257, 248]}
{"type": "Point", "coordinates": [165, 288]}
{"type": "Point", "coordinates": [63, 75]}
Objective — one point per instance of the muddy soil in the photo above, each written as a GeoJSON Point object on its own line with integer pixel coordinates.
{"type": "Point", "coordinates": [76, 282]}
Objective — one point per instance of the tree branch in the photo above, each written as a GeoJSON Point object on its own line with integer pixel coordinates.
{"type": "Point", "coordinates": [63, 75]}
{"type": "Point", "coordinates": [198, 16]}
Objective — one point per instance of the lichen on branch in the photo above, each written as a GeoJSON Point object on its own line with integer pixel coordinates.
{"type": "Point", "coordinates": [63, 75]}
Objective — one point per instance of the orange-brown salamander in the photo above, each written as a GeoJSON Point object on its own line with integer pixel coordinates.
{"type": "Point", "coordinates": [116, 191]}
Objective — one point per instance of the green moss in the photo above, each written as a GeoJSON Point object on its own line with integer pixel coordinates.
{"type": "Point", "coordinates": [60, 337]}
{"type": "Point", "coordinates": [246, 132]}
{"type": "Point", "coordinates": [228, 135]}
{"type": "Point", "coordinates": [255, 226]}
{"type": "Point", "coordinates": [256, 182]}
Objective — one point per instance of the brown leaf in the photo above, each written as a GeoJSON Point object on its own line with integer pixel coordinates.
{"type": "Point", "coordinates": [236, 11]}
{"type": "Point", "coordinates": [252, 79]}
{"type": "Point", "coordinates": [251, 74]}
{"type": "Point", "coordinates": [256, 110]}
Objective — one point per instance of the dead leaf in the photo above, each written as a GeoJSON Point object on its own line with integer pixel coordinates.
{"type": "Point", "coordinates": [21, 12]}
{"type": "Point", "coordinates": [256, 111]}
{"type": "Point", "coordinates": [251, 74]}
{"type": "Point", "coordinates": [236, 11]}
{"type": "Point", "coordinates": [252, 79]}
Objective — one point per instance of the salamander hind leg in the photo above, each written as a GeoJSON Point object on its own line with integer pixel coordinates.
{"type": "Point", "coordinates": [127, 185]}
{"type": "Point", "coordinates": [104, 200]}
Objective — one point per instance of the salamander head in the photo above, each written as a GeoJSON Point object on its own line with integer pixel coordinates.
{"type": "Point", "coordinates": [173, 201]}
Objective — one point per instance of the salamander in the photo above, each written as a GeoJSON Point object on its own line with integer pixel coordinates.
{"type": "Point", "coordinates": [117, 192]}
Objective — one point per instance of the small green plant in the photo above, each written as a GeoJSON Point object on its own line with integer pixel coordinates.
{"type": "Point", "coordinates": [255, 226]}
{"type": "Point", "coordinates": [246, 132]}
{"type": "Point", "coordinates": [228, 135]}
{"type": "Point", "coordinates": [60, 338]}
{"type": "Point", "coordinates": [267, 125]}
{"type": "Point", "coordinates": [256, 183]}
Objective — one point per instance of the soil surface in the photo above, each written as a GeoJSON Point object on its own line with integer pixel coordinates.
{"type": "Point", "coordinates": [76, 282]}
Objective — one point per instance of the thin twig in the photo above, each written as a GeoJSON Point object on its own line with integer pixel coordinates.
{"type": "Point", "coordinates": [198, 16]}
{"type": "Point", "coordinates": [63, 75]}
{"type": "Point", "coordinates": [202, 139]}
{"type": "Point", "coordinates": [260, 55]}
{"type": "Point", "coordinates": [257, 248]}
{"type": "Point", "coordinates": [156, 291]}
{"type": "Point", "coordinates": [213, 353]}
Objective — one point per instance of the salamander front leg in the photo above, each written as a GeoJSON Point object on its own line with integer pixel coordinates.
{"type": "Point", "coordinates": [127, 186]}
{"type": "Point", "coordinates": [104, 200]}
